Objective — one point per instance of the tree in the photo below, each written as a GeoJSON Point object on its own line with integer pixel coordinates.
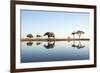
{"type": "Point", "coordinates": [30, 36]}
{"type": "Point", "coordinates": [73, 33]}
{"type": "Point", "coordinates": [38, 36]}
{"type": "Point", "coordinates": [80, 33]}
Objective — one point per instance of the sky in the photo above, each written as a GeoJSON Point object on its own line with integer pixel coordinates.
{"type": "Point", "coordinates": [60, 22]}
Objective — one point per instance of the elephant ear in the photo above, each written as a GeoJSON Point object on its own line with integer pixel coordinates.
{"type": "Point", "coordinates": [46, 33]}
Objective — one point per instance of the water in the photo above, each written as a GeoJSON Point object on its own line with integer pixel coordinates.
{"type": "Point", "coordinates": [54, 51]}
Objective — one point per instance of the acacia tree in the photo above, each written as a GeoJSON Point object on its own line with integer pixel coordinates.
{"type": "Point", "coordinates": [38, 36]}
{"type": "Point", "coordinates": [80, 33]}
{"type": "Point", "coordinates": [30, 36]}
{"type": "Point", "coordinates": [73, 33]}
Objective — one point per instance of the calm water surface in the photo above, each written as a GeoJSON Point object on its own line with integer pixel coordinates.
{"type": "Point", "coordinates": [54, 51]}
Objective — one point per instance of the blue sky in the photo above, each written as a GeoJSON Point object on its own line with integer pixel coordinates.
{"type": "Point", "coordinates": [61, 23]}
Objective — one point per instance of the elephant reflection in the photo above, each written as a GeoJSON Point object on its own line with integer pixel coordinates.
{"type": "Point", "coordinates": [50, 45]}
{"type": "Point", "coordinates": [29, 43]}
{"type": "Point", "coordinates": [79, 46]}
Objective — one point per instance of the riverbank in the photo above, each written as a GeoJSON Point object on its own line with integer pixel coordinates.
{"type": "Point", "coordinates": [82, 39]}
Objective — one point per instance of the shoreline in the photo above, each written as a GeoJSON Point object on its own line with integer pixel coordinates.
{"type": "Point", "coordinates": [82, 39]}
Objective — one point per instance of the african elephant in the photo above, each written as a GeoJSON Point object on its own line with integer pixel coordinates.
{"type": "Point", "coordinates": [50, 34]}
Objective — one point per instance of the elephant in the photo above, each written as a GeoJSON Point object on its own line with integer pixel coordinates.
{"type": "Point", "coordinates": [50, 34]}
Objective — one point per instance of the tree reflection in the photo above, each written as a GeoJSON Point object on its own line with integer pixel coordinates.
{"type": "Point", "coordinates": [50, 45]}
{"type": "Point", "coordinates": [29, 43]}
{"type": "Point", "coordinates": [38, 43]}
{"type": "Point", "coordinates": [79, 46]}
{"type": "Point", "coordinates": [73, 45]}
